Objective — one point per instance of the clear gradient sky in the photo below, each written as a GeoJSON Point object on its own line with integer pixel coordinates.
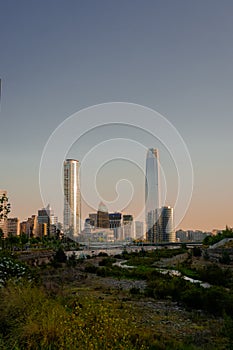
{"type": "Point", "coordinates": [176, 56]}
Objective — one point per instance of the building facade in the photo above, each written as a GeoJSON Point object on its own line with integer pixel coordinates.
{"type": "Point", "coordinates": [72, 198]}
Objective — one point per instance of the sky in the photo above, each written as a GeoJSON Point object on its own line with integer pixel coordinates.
{"type": "Point", "coordinates": [58, 57]}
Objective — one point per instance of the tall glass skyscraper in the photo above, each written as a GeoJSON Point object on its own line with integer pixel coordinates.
{"type": "Point", "coordinates": [72, 198]}
{"type": "Point", "coordinates": [152, 198]}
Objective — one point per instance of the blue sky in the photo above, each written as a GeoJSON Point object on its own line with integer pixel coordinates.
{"type": "Point", "coordinates": [176, 57]}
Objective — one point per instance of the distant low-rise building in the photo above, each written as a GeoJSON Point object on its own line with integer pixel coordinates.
{"type": "Point", "coordinates": [29, 227]}
{"type": "Point", "coordinates": [13, 226]}
{"type": "Point", "coordinates": [191, 235]}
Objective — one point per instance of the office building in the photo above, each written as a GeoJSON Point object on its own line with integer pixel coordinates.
{"type": "Point", "coordinates": [139, 230]}
{"type": "Point", "coordinates": [115, 224]}
{"type": "Point", "coordinates": [93, 219]}
{"type": "Point", "coordinates": [152, 197]}
{"type": "Point", "coordinates": [102, 216]}
{"type": "Point", "coordinates": [72, 198]}
{"type": "Point", "coordinates": [46, 216]}
{"type": "Point", "coordinates": [128, 227]}
{"type": "Point", "coordinates": [29, 227]}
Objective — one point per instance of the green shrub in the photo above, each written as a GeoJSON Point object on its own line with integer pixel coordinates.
{"type": "Point", "coordinates": [107, 262]}
{"type": "Point", "coordinates": [60, 256]}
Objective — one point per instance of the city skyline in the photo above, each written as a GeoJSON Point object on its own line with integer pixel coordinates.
{"type": "Point", "coordinates": [178, 61]}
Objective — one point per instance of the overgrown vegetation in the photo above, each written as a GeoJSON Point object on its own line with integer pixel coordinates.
{"type": "Point", "coordinates": [63, 317]}
{"type": "Point", "coordinates": [210, 240]}
{"type": "Point", "coordinates": [216, 300]}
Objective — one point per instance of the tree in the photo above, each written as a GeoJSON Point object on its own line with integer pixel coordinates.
{"type": "Point", "coordinates": [60, 256]}
{"type": "Point", "coordinates": [13, 240]}
{"type": "Point", "coordinates": [1, 237]}
{"type": "Point", "coordinates": [23, 239]}
{"type": "Point", "coordinates": [197, 251]}
{"type": "Point", "coordinates": [5, 207]}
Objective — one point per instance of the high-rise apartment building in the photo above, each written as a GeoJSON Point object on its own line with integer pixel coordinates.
{"type": "Point", "coordinates": [152, 196]}
{"type": "Point", "coordinates": [166, 225]}
{"type": "Point", "coordinates": [72, 198]}
{"type": "Point", "coordinates": [13, 226]}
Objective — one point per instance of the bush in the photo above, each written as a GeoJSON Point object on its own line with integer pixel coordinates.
{"type": "Point", "coordinates": [197, 251]}
{"type": "Point", "coordinates": [103, 254]}
{"type": "Point", "coordinates": [60, 256]}
{"type": "Point", "coordinates": [72, 260]}
{"type": "Point", "coordinates": [107, 262]}
{"type": "Point", "coordinates": [225, 259]}
{"type": "Point", "coordinates": [134, 291]}
{"type": "Point", "coordinates": [11, 269]}
{"type": "Point", "coordinates": [91, 268]}
{"type": "Point", "coordinates": [31, 320]}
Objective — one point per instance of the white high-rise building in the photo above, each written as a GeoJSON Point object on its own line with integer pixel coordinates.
{"type": "Point", "coordinates": [152, 196]}
{"type": "Point", "coordinates": [72, 198]}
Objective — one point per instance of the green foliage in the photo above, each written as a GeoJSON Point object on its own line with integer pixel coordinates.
{"type": "Point", "coordinates": [23, 239]}
{"type": "Point", "coordinates": [215, 275]}
{"type": "Point", "coordinates": [60, 256]}
{"type": "Point", "coordinates": [5, 207]}
{"type": "Point", "coordinates": [29, 319]}
{"type": "Point", "coordinates": [103, 254]}
{"type": "Point", "coordinates": [214, 300]}
{"type": "Point", "coordinates": [91, 268]}
{"type": "Point", "coordinates": [134, 291]}
{"type": "Point", "coordinates": [225, 259]}
{"type": "Point", "coordinates": [72, 260]}
{"type": "Point", "coordinates": [197, 251]}
{"type": "Point", "coordinates": [107, 261]}
{"type": "Point", "coordinates": [11, 269]}
{"type": "Point", "coordinates": [187, 271]}
{"type": "Point", "coordinates": [148, 258]}
{"type": "Point", "coordinates": [210, 240]}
